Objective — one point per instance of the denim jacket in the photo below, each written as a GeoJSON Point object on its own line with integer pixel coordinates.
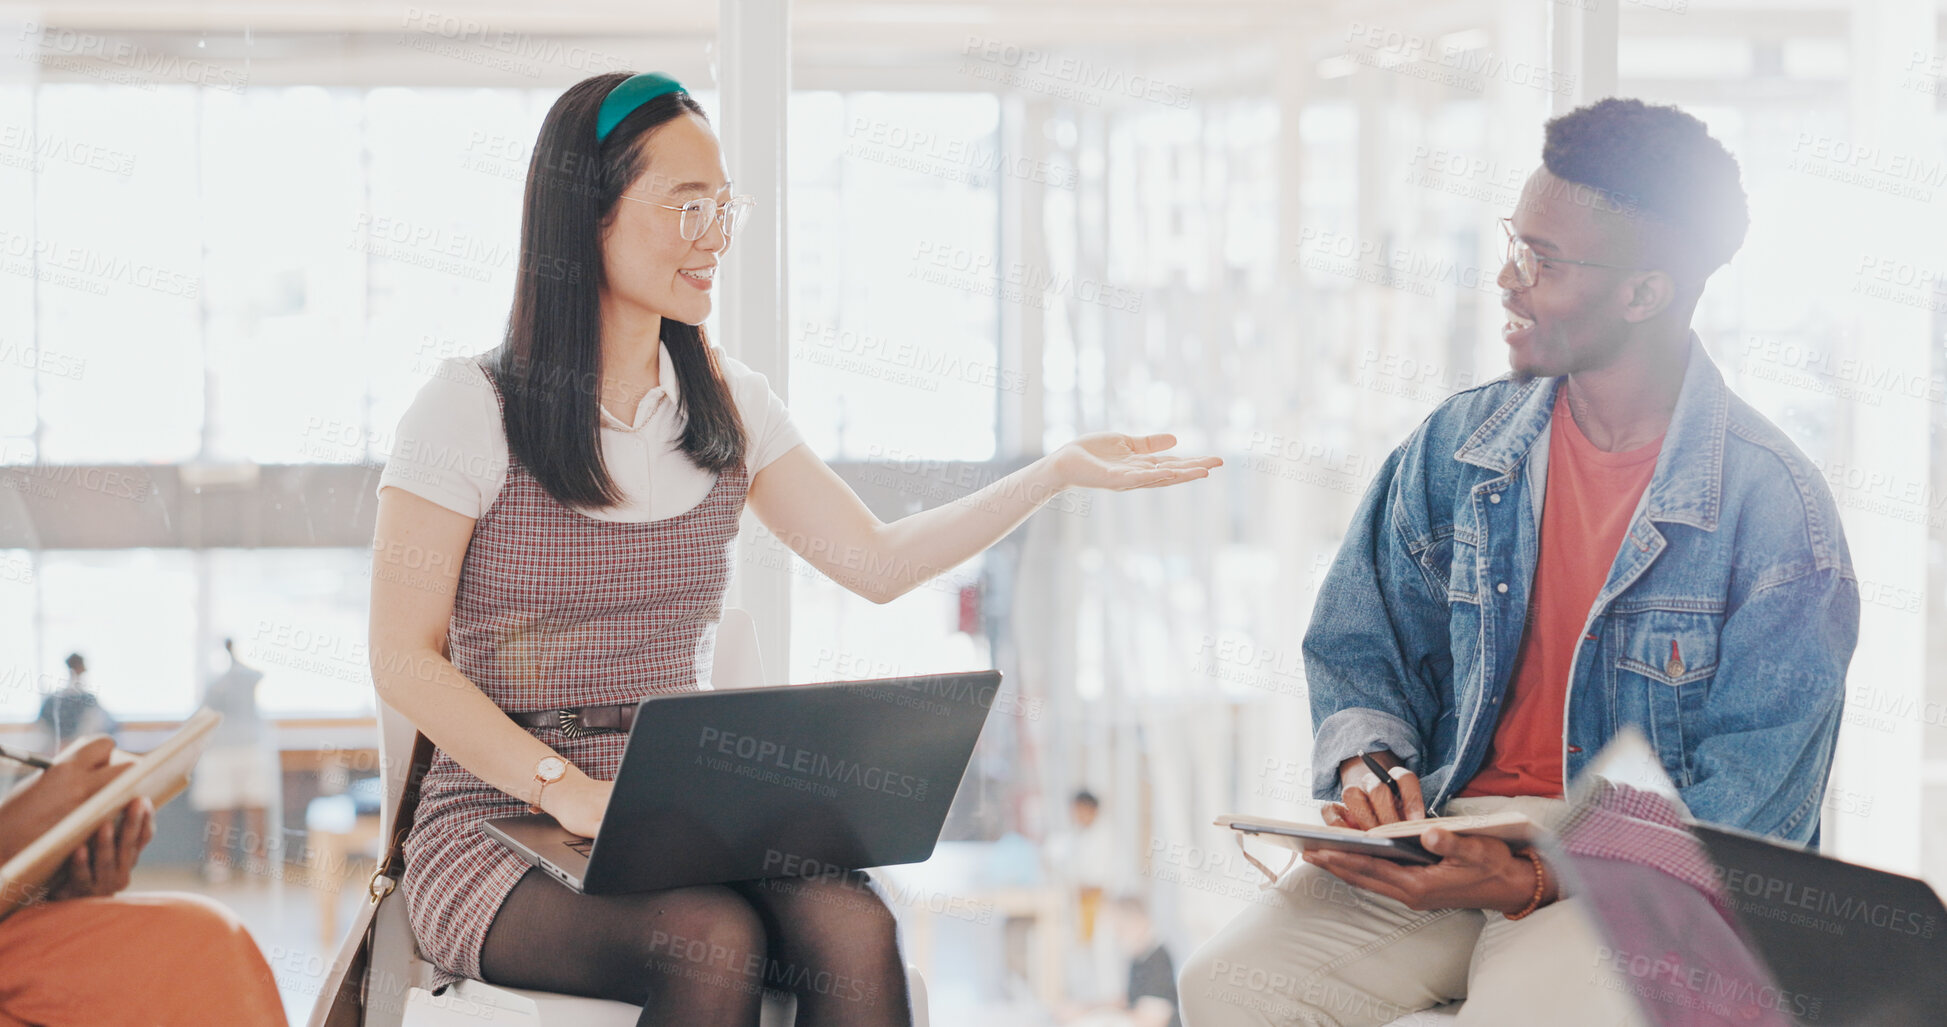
{"type": "Point", "coordinates": [1735, 555]}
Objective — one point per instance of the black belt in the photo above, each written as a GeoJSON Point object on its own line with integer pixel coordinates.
{"type": "Point", "coordinates": [581, 720]}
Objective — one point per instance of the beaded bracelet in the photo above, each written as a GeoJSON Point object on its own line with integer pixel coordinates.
{"type": "Point", "coordinates": [1541, 884]}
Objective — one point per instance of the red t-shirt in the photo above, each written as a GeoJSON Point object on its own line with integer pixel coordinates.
{"type": "Point", "coordinates": [1592, 495]}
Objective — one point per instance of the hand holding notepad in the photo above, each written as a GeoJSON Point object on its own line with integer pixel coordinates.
{"type": "Point", "coordinates": [100, 866]}
{"type": "Point", "coordinates": [56, 823]}
{"type": "Point", "coordinates": [1398, 841]}
{"type": "Point", "coordinates": [81, 770]}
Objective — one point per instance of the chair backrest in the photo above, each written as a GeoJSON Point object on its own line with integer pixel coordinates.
{"type": "Point", "coordinates": [738, 662]}
{"type": "Point", "coordinates": [396, 737]}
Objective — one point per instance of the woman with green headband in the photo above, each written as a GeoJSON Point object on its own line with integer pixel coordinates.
{"type": "Point", "coordinates": [556, 528]}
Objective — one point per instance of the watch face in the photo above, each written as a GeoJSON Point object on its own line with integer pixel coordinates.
{"type": "Point", "coordinates": [550, 768]}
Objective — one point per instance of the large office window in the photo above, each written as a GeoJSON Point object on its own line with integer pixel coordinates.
{"type": "Point", "coordinates": [1279, 243]}
{"type": "Point", "coordinates": [898, 282]}
{"type": "Point", "coordinates": [266, 276]}
{"type": "Point", "coordinates": [118, 262]}
{"type": "Point", "coordinates": [897, 275]}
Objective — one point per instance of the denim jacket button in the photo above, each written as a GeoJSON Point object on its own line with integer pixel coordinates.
{"type": "Point", "coordinates": [1493, 497]}
{"type": "Point", "coordinates": [1502, 588]}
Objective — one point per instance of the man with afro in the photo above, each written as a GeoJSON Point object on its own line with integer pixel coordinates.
{"type": "Point", "coordinates": [1605, 539]}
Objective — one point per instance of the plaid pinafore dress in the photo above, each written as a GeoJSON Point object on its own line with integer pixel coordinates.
{"type": "Point", "coordinates": [556, 609]}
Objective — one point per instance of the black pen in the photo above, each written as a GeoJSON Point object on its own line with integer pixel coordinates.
{"type": "Point", "coordinates": [24, 757]}
{"type": "Point", "coordinates": [1399, 801]}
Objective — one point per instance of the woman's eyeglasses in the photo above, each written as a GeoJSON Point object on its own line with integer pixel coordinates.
{"type": "Point", "coordinates": [698, 213]}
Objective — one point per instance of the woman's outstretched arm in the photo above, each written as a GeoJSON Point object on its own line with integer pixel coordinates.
{"type": "Point", "coordinates": [808, 507]}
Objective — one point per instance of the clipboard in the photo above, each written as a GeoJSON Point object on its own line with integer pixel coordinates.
{"type": "Point", "coordinates": [159, 774]}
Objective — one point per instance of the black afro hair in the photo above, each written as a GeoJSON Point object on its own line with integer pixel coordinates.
{"type": "Point", "coordinates": [1657, 162]}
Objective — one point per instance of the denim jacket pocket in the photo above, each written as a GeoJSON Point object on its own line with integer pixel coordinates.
{"type": "Point", "coordinates": [1664, 665]}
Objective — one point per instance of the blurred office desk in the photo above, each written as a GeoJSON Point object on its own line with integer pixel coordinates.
{"type": "Point", "coordinates": [341, 813]}
{"type": "Point", "coordinates": [972, 881]}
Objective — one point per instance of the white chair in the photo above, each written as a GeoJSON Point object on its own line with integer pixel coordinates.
{"type": "Point", "coordinates": [398, 979]}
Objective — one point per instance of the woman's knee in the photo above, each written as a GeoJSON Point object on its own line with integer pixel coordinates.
{"type": "Point", "coordinates": [849, 907]}
{"type": "Point", "coordinates": [714, 929]}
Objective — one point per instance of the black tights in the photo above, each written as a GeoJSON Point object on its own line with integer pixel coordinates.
{"type": "Point", "coordinates": [704, 955]}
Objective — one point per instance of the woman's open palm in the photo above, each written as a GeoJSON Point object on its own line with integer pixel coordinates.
{"type": "Point", "coordinates": [1112, 460]}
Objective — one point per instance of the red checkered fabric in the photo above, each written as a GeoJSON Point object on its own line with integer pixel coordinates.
{"type": "Point", "coordinates": [556, 609]}
{"type": "Point", "coordinates": [1620, 822]}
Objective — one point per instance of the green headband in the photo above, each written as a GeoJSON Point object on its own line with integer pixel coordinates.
{"type": "Point", "coordinates": [633, 92]}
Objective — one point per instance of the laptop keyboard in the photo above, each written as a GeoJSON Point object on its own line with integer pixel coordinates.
{"type": "Point", "coordinates": [581, 845]}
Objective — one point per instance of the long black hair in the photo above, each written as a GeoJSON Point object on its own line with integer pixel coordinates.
{"type": "Point", "coordinates": [549, 367]}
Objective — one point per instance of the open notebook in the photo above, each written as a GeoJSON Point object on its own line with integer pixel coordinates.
{"type": "Point", "coordinates": [159, 774]}
{"type": "Point", "coordinates": [1398, 841]}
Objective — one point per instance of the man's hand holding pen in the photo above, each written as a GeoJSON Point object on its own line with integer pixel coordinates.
{"type": "Point", "coordinates": [1375, 789]}
{"type": "Point", "coordinates": [1473, 873]}
{"type": "Point", "coordinates": [100, 865]}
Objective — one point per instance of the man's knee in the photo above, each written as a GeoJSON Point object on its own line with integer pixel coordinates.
{"type": "Point", "coordinates": [179, 919]}
{"type": "Point", "coordinates": [1193, 980]}
{"type": "Point", "coordinates": [179, 932]}
{"type": "Point", "coordinates": [1228, 976]}
{"type": "Point", "coordinates": [1203, 963]}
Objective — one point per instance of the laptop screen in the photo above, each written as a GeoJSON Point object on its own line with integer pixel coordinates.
{"type": "Point", "coordinates": [1705, 925]}
{"type": "Point", "coordinates": [1865, 942]}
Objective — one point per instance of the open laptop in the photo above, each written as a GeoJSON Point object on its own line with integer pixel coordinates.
{"type": "Point", "coordinates": [1815, 940]}
{"type": "Point", "coordinates": [1870, 947]}
{"type": "Point", "coordinates": [791, 781]}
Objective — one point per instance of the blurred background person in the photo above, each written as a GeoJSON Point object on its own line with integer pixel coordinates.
{"type": "Point", "coordinates": [73, 710]}
{"type": "Point", "coordinates": [238, 772]}
{"type": "Point", "coordinates": [1082, 855]}
{"type": "Point", "coordinates": [1150, 997]}
{"type": "Point", "coordinates": [1083, 863]}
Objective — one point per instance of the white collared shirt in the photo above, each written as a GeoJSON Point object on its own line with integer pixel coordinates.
{"type": "Point", "coordinates": [451, 447]}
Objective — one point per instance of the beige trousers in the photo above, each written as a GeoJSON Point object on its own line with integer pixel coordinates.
{"type": "Point", "coordinates": [1318, 952]}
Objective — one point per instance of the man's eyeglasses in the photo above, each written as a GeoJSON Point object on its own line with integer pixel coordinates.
{"type": "Point", "coordinates": [698, 213]}
{"type": "Point", "coordinates": [1527, 264]}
